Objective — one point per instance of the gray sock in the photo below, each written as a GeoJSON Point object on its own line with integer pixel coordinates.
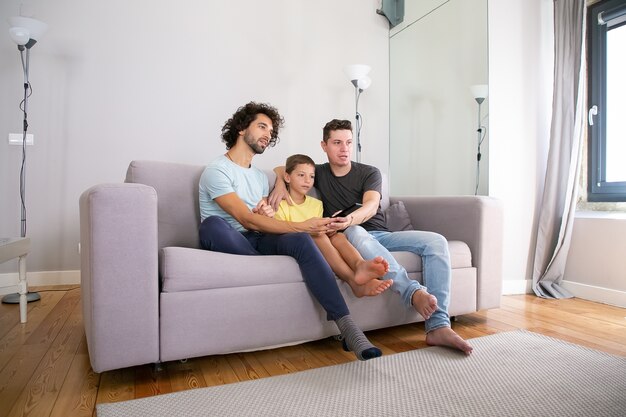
{"type": "Point", "coordinates": [355, 340]}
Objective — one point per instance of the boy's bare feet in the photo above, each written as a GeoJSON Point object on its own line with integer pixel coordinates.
{"type": "Point", "coordinates": [371, 288]}
{"type": "Point", "coordinates": [368, 270]}
{"type": "Point", "coordinates": [445, 336]}
{"type": "Point", "coordinates": [424, 303]}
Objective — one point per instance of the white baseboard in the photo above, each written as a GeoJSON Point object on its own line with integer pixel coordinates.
{"type": "Point", "coordinates": [8, 282]}
{"type": "Point", "coordinates": [598, 294]}
{"type": "Point", "coordinates": [517, 286]}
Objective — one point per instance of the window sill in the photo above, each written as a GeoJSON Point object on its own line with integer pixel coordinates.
{"type": "Point", "coordinates": [596, 214]}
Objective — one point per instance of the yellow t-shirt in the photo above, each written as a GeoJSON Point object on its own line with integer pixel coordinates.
{"type": "Point", "coordinates": [312, 207]}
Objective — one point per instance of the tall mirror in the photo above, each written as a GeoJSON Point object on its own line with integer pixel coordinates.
{"type": "Point", "coordinates": [437, 54]}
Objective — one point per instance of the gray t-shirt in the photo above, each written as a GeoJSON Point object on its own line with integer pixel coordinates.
{"type": "Point", "coordinates": [337, 193]}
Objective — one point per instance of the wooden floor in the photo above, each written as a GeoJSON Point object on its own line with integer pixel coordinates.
{"type": "Point", "coordinates": [44, 365]}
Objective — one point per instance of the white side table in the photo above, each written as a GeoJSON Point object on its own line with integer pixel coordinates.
{"type": "Point", "coordinates": [11, 248]}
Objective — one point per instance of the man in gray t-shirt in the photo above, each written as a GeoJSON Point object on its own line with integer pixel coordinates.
{"type": "Point", "coordinates": [341, 183]}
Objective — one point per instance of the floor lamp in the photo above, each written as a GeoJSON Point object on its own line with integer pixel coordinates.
{"type": "Point", "coordinates": [357, 74]}
{"type": "Point", "coordinates": [25, 32]}
{"type": "Point", "coordinates": [479, 92]}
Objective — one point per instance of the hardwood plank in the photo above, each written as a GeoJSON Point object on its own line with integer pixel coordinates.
{"type": "Point", "coordinates": [185, 375]}
{"type": "Point", "coordinates": [246, 366]}
{"type": "Point", "coordinates": [607, 330]}
{"type": "Point", "coordinates": [329, 351]}
{"type": "Point", "coordinates": [41, 392]}
{"type": "Point", "coordinates": [117, 385]}
{"type": "Point", "coordinates": [575, 339]}
{"type": "Point", "coordinates": [388, 342]}
{"type": "Point", "coordinates": [14, 339]}
{"type": "Point", "coordinates": [150, 382]}
{"type": "Point", "coordinates": [412, 334]}
{"type": "Point", "coordinates": [18, 361]}
{"type": "Point", "coordinates": [275, 363]}
{"type": "Point", "coordinates": [217, 371]}
{"type": "Point", "coordinates": [17, 373]}
{"type": "Point", "coordinates": [55, 320]}
{"type": "Point", "coordinates": [527, 321]}
{"type": "Point", "coordinates": [300, 358]}
{"type": "Point", "coordinates": [77, 397]}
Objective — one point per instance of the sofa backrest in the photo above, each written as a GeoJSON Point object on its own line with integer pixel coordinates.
{"type": "Point", "coordinates": [177, 195]}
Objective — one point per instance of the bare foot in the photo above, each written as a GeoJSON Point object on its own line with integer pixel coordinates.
{"type": "Point", "coordinates": [368, 270]}
{"type": "Point", "coordinates": [371, 288]}
{"type": "Point", "coordinates": [424, 303]}
{"type": "Point", "coordinates": [445, 336]}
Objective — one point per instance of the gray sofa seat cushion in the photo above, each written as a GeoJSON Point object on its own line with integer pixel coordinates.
{"type": "Point", "coordinates": [187, 269]}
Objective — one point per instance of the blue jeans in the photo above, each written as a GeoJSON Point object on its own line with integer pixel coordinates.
{"type": "Point", "coordinates": [436, 271]}
{"type": "Point", "coordinates": [219, 236]}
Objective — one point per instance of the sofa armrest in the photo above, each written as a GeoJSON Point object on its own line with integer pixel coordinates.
{"type": "Point", "coordinates": [475, 220]}
{"type": "Point", "coordinates": [119, 274]}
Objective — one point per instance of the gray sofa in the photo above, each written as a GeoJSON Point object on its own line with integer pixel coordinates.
{"type": "Point", "coordinates": [151, 295]}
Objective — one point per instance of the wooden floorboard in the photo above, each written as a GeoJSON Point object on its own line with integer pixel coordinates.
{"type": "Point", "coordinates": [45, 370]}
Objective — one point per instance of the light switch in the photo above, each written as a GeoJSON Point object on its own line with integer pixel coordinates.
{"type": "Point", "coordinates": [16, 139]}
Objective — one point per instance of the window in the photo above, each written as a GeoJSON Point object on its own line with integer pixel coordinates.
{"type": "Point", "coordinates": [607, 101]}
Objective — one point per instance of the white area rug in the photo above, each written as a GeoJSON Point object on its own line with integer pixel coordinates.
{"type": "Point", "coordinates": [509, 374]}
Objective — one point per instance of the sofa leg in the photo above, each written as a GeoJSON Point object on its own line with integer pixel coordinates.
{"type": "Point", "coordinates": [453, 318]}
{"type": "Point", "coordinates": [157, 367]}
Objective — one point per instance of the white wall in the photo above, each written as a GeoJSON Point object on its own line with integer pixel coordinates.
{"type": "Point", "coordinates": [120, 80]}
{"type": "Point", "coordinates": [596, 263]}
{"type": "Point", "coordinates": [436, 54]}
{"type": "Point", "coordinates": [520, 80]}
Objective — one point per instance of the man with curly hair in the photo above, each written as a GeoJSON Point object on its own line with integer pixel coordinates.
{"type": "Point", "coordinates": [236, 217]}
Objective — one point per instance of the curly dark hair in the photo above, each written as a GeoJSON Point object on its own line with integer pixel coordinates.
{"type": "Point", "coordinates": [246, 115]}
{"type": "Point", "coordinates": [336, 124]}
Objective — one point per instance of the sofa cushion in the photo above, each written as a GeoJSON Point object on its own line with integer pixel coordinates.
{"type": "Point", "coordinates": [176, 186]}
{"type": "Point", "coordinates": [397, 218]}
{"type": "Point", "coordinates": [186, 269]}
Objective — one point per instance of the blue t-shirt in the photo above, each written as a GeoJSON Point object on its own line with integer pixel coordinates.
{"type": "Point", "coordinates": [223, 176]}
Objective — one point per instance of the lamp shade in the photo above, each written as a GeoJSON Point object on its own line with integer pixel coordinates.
{"type": "Point", "coordinates": [356, 71]}
{"type": "Point", "coordinates": [364, 82]}
{"type": "Point", "coordinates": [480, 91]}
{"type": "Point", "coordinates": [21, 25]}
{"type": "Point", "coordinates": [19, 35]}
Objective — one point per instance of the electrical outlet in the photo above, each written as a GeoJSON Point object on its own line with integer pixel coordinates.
{"type": "Point", "coordinates": [17, 138]}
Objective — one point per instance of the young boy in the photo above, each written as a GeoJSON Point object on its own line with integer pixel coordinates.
{"type": "Point", "coordinates": [345, 261]}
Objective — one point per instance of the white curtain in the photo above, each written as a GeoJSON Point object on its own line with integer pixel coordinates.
{"type": "Point", "coordinates": [556, 217]}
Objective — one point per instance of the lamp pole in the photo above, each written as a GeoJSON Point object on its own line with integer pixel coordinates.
{"type": "Point", "coordinates": [357, 119]}
{"type": "Point", "coordinates": [479, 92]}
{"type": "Point", "coordinates": [479, 131]}
{"type": "Point", "coordinates": [357, 74]}
{"type": "Point", "coordinates": [25, 32]}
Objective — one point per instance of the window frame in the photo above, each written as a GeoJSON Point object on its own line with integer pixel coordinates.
{"type": "Point", "coordinates": [598, 189]}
